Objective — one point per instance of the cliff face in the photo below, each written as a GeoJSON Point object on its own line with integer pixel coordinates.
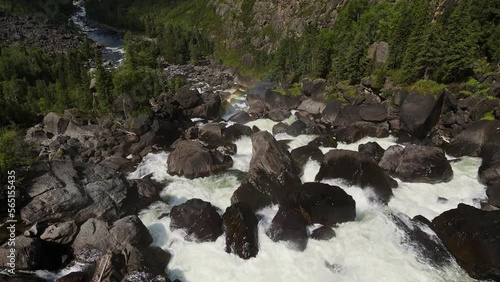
{"type": "Point", "coordinates": [261, 24]}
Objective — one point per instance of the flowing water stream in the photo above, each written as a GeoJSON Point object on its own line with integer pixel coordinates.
{"type": "Point", "coordinates": [371, 248]}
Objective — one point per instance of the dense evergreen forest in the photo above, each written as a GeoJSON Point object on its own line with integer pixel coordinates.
{"type": "Point", "coordinates": [425, 51]}
{"type": "Point", "coordinates": [443, 48]}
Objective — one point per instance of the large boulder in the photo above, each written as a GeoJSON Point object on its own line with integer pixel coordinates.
{"type": "Point", "coordinates": [472, 237]}
{"type": "Point", "coordinates": [419, 113]}
{"type": "Point", "coordinates": [72, 191]}
{"type": "Point", "coordinates": [313, 87]}
{"type": "Point", "coordinates": [241, 117]}
{"type": "Point", "coordinates": [372, 149]}
{"type": "Point", "coordinates": [210, 108]}
{"type": "Point", "coordinates": [188, 98]}
{"type": "Point", "coordinates": [312, 106]}
{"type": "Point", "coordinates": [324, 233]}
{"type": "Point", "coordinates": [211, 133]}
{"type": "Point", "coordinates": [240, 226]}
{"type": "Point", "coordinates": [356, 169]}
{"type": "Point", "coordinates": [236, 131]}
{"type": "Point", "coordinates": [297, 128]}
{"type": "Point", "coordinates": [331, 111]}
{"type": "Point", "coordinates": [470, 141]}
{"type": "Point", "coordinates": [190, 159]}
{"type": "Point", "coordinates": [416, 163]}
{"type": "Point", "coordinates": [489, 171]}
{"type": "Point", "coordinates": [55, 124]}
{"type": "Point", "coordinates": [289, 225]}
{"type": "Point", "coordinates": [199, 219]}
{"type": "Point", "coordinates": [302, 154]}
{"type": "Point", "coordinates": [373, 113]}
{"type": "Point", "coordinates": [324, 204]}
{"type": "Point", "coordinates": [262, 99]}
{"type": "Point", "coordinates": [354, 132]}
{"type": "Point", "coordinates": [493, 193]}
{"type": "Point", "coordinates": [61, 233]}
{"type": "Point", "coordinates": [28, 255]}
{"type": "Point", "coordinates": [271, 176]}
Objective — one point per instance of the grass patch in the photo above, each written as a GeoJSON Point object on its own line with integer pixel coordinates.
{"type": "Point", "coordinates": [488, 116]}
{"type": "Point", "coordinates": [428, 87]}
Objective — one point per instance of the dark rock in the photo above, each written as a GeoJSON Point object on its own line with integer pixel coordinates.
{"type": "Point", "coordinates": [255, 129]}
{"type": "Point", "coordinates": [302, 154]}
{"type": "Point", "coordinates": [190, 159]}
{"type": "Point", "coordinates": [324, 204]}
{"type": "Point", "coordinates": [314, 87]}
{"type": "Point", "coordinates": [36, 230]}
{"type": "Point", "coordinates": [347, 115]}
{"type": "Point", "coordinates": [331, 111]}
{"type": "Point", "coordinates": [62, 233]}
{"type": "Point", "coordinates": [324, 233]}
{"type": "Point", "coordinates": [372, 149]}
{"type": "Point", "coordinates": [429, 248]}
{"type": "Point", "coordinates": [297, 128]}
{"type": "Point", "coordinates": [342, 163]}
{"type": "Point", "coordinates": [141, 125]}
{"type": "Point", "coordinates": [188, 98]}
{"type": "Point", "coordinates": [132, 231]}
{"type": "Point", "coordinates": [312, 106]}
{"type": "Point", "coordinates": [199, 219]}
{"type": "Point", "coordinates": [419, 114]}
{"type": "Point", "coordinates": [422, 220]}
{"type": "Point", "coordinates": [70, 191]}
{"type": "Point", "coordinates": [356, 131]}
{"type": "Point", "coordinates": [326, 141]}
{"type": "Point", "coordinates": [472, 237]}
{"type": "Point", "coordinates": [278, 115]}
{"type": "Point", "coordinates": [236, 131]}
{"type": "Point", "coordinates": [241, 117]}
{"type": "Point", "coordinates": [289, 225]}
{"type": "Point", "coordinates": [147, 189]}
{"type": "Point", "coordinates": [416, 163]}
{"type": "Point", "coordinates": [240, 226]}
{"type": "Point", "coordinates": [442, 200]}
{"type": "Point", "coordinates": [489, 171]}
{"type": "Point", "coordinates": [111, 267]}
{"type": "Point", "coordinates": [74, 277]}
{"type": "Point", "coordinates": [211, 133]}
{"type": "Point", "coordinates": [497, 113]}
{"type": "Point", "coordinates": [493, 193]}
{"type": "Point", "coordinates": [210, 108]}
{"type": "Point", "coordinates": [145, 262]}
{"type": "Point", "coordinates": [32, 254]}
{"type": "Point", "coordinates": [280, 127]}
{"type": "Point", "coordinates": [449, 119]}
{"type": "Point", "coordinates": [471, 140]}
{"type": "Point", "coordinates": [272, 174]}
{"type": "Point", "coordinates": [373, 113]}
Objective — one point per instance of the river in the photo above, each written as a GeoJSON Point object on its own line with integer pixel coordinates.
{"type": "Point", "coordinates": [372, 248]}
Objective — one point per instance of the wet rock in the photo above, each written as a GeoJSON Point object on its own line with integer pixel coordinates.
{"type": "Point", "coordinates": [302, 154]}
{"type": "Point", "coordinates": [199, 219]}
{"type": "Point", "coordinates": [472, 237]}
{"type": "Point", "coordinates": [342, 163]}
{"type": "Point", "coordinates": [356, 131]}
{"type": "Point", "coordinates": [272, 174]}
{"type": "Point", "coordinates": [471, 140]}
{"type": "Point", "coordinates": [427, 246]}
{"type": "Point", "coordinates": [32, 254]}
{"type": "Point", "coordinates": [211, 133]}
{"type": "Point", "coordinates": [190, 159]}
{"type": "Point", "coordinates": [326, 141]}
{"type": "Point", "coordinates": [147, 189]}
{"type": "Point", "coordinates": [210, 108]}
{"type": "Point", "coordinates": [236, 131]}
{"type": "Point", "coordinates": [280, 127]}
{"type": "Point", "coordinates": [241, 117]}
{"type": "Point", "coordinates": [297, 128]}
{"type": "Point", "coordinates": [74, 277]}
{"type": "Point", "coordinates": [324, 233]}
{"type": "Point", "coordinates": [419, 114]}
{"type": "Point", "coordinates": [289, 225]}
{"type": "Point", "coordinates": [131, 230]}
{"type": "Point", "coordinates": [416, 163]}
{"type": "Point", "coordinates": [324, 204]}
{"type": "Point", "coordinates": [145, 263]}
{"type": "Point", "coordinates": [240, 226]}
{"type": "Point", "coordinates": [493, 193]}
{"type": "Point", "coordinates": [372, 149]}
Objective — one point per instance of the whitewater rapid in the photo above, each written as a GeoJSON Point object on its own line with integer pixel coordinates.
{"type": "Point", "coordinates": [371, 248]}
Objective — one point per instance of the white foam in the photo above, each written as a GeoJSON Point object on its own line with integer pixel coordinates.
{"type": "Point", "coordinates": [371, 248]}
